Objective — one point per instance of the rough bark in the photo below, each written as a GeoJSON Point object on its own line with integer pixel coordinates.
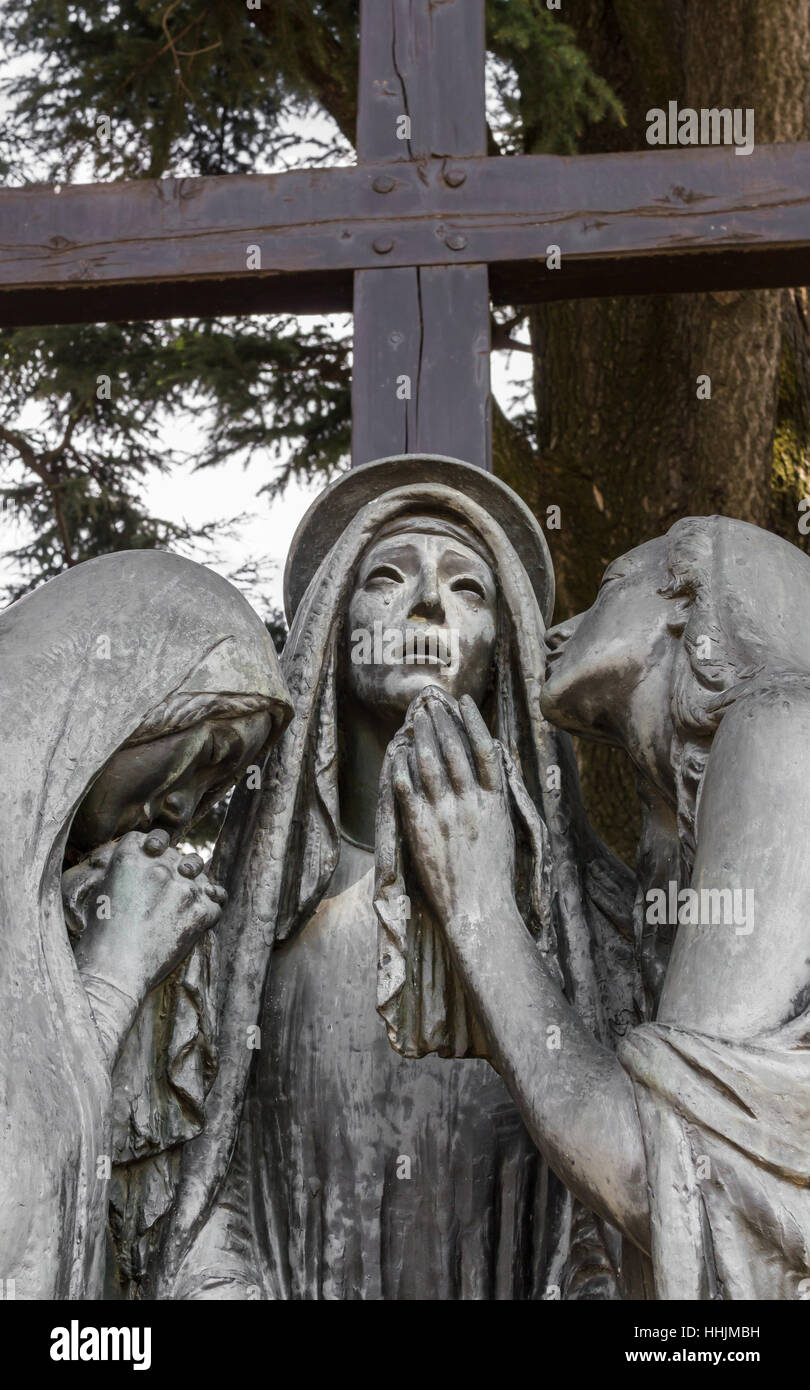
{"type": "Point", "coordinates": [626, 446]}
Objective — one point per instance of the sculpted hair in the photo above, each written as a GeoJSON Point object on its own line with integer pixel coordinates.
{"type": "Point", "coordinates": [728, 648]}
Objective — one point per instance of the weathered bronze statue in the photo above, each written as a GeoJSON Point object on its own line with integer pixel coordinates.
{"type": "Point", "coordinates": [134, 690]}
{"type": "Point", "coordinates": [331, 1165]}
{"type": "Point", "coordinates": [692, 1140]}
{"type": "Point", "coordinates": [441, 1043]}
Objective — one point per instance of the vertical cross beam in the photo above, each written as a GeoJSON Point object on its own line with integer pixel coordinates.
{"type": "Point", "coordinates": [421, 335]}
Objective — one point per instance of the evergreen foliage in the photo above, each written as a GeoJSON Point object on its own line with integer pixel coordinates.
{"type": "Point", "coordinates": [202, 87]}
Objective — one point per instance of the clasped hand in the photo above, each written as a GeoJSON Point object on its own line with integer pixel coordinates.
{"type": "Point", "coordinates": [145, 905]}
{"type": "Point", "coordinates": [448, 780]}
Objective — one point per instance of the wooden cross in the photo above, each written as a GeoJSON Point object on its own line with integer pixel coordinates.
{"type": "Point", "coordinates": [420, 236]}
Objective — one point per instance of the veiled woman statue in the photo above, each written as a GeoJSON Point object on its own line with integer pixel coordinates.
{"type": "Point", "coordinates": [692, 1139]}
{"type": "Point", "coordinates": [334, 1164]}
{"type": "Point", "coordinates": [134, 689]}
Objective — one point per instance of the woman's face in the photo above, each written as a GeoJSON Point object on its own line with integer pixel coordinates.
{"type": "Point", "coordinates": [161, 783]}
{"type": "Point", "coordinates": [423, 612]}
{"type": "Point", "coordinates": [608, 670]}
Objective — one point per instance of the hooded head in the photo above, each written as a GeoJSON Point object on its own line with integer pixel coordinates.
{"type": "Point", "coordinates": [280, 845]}
{"type": "Point", "coordinates": [424, 610]}
{"type": "Point", "coordinates": [140, 646]}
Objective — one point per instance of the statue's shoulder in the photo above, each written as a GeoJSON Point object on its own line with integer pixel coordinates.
{"type": "Point", "coordinates": [765, 733]}
{"type": "Point", "coordinates": [779, 698]}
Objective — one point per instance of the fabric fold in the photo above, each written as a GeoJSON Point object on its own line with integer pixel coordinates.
{"type": "Point", "coordinates": [725, 1129]}
{"type": "Point", "coordinates": [281, 843]}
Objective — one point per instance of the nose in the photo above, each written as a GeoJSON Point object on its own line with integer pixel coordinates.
{"type": "Point", "coordinates": [556, 637]}
{"type": "Point", "coordinates": [175, 809]}
{"type": "Point", "coordinates": [428, 606]}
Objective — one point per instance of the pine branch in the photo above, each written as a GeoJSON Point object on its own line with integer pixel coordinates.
{"type": "Point", "coordinates": [47, 467]}
{"type": "Point", "coordinates": [319, 71]}
{"type": "Point", "coordinates": [500, 334]}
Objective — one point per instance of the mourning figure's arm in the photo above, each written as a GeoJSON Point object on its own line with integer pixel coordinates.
{"type": "Point", "coordinates": [575, 1098]}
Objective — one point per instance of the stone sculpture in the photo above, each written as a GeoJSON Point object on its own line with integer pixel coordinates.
{"type": "Point", "coordinates": [134, 689]}
{"type": "Point", "coordinates": [434, 1041]}
{"type": "Point", "coordinates": [691, 1140]}
{"type": "Point", "coordinates": [332, 1166]}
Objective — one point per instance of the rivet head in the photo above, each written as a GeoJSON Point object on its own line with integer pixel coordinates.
{"type": "Point", "coordinates": [455, 177]}
{"type": "Point", "coordinates": [456, 241]}
{"type": "Point", "coordinates": [383, 183]}
{"type": "Point", "coordinates": [383, 244]}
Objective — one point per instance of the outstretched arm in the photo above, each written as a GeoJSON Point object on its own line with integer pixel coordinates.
{"type": "Point", "coordinates": [575, 1098]}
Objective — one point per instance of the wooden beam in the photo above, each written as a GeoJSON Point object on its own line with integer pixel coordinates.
{"type": "Point", "coordinates": [666, 221]}
{"type": "Point", "coordinates": [431, 326]}
{"type": "Point", "coordinates": [407, 50]}
{"type": "Point", "coordinates": [420, 380]}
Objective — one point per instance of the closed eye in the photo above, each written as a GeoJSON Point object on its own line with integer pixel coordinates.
{"type": "Point", "coordinates": [386, 572]}
{"type": "Point", "coordinates": [465, 584]}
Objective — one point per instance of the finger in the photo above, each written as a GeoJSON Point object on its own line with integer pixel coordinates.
{"type": "Point", "coordinates": [100, 858]}
{"type": "Point", "coordinates": [428, 758]}
{"type": "Point", "coordinates": [402, 782]}
{"type": "Point", "coordinates": [482, 745]}
{"type": "Point", "coordinates": [453, 746]}
{"type": "Point", "coordinates": [77, 885]}
{"type": "Point", "coordinates": [213, 912]}
{"type": "Point", "coordinates": [206, 915]}
{"type": "Point", "coordinates": [190, 866]}
{"type": "Point", "coordinates": [216, 893]}
{"type": "Point", "coordinates": [156, 842]}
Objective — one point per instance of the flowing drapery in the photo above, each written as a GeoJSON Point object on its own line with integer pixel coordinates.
{"type": "Point", "coordinates": [280, 844]}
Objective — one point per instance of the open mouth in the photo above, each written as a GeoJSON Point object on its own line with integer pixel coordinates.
{"type": "Point", "coordinates": [424, 659]}
{"type": "Point", "coordinates": [434, 647]}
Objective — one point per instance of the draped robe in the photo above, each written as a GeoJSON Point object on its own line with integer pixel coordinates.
{"type": "Point", "coordinates": [265, 1206]}
{"type": "Point", "coordinates": [83, 660]}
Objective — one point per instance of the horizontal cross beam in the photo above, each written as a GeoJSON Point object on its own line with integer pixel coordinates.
{"type": "Point", "coordinates": [638, 223]}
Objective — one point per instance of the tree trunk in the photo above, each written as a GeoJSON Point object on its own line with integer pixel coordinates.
{"type": "Point", "coordinates": [626, 446]}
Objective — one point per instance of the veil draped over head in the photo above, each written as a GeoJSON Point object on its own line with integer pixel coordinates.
{"type": "Point", "coordinates": [280, 844]}
{"type": "Point", "coordinates": [83, 661]}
